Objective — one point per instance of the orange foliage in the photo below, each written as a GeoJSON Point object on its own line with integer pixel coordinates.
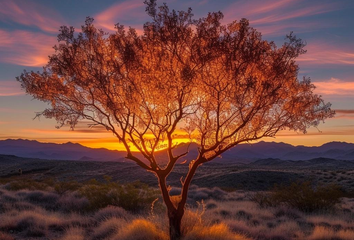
{"type": "Point", "coordinates": [218, 85]}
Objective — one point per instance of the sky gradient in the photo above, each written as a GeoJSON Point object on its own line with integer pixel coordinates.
{"type": "Point", "coordinates": [28, 30]}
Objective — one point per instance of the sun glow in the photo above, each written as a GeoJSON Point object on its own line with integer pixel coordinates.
{"type": "Point", "coordinates": [113, 144]}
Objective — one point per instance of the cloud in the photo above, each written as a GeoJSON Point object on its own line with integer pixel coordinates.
{"type": "Point", "coordinates": [319, 53]}
{"type": "Point", "coordinates": [344, 113]}
{"type": "Point", "coordinates": [12, 110]}
{"type": "Point", "coordinates": [274, 17]}
{"type": "Point", "coordinates": [10, 88]}
{"type": "Point", "coordinates": [349, 131]}
{"type": "Point", "coordinates": [26, 48]}
{"type": "Point", "coordinates": [122, 12]}
{"type": "Point", "coordinates": [29, 13]}
{"type": "Point", "coordinates": [67, 131]}
{"type": "Point", "coordinates": [335, 87]}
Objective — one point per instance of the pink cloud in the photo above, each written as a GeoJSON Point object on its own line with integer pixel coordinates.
{"type": "Point", "coordinates": [282, 16]}
{"type": "Point", "coordinates": [335, 87]}
{"type": "Point", "coordinates": [344, 114]}
{"type": "Point", "coordinates": [282, 28]}
{"type": "Point", "coordinates": [274, 17]}
{"type": "Point", "coordinates": [10, 88]}
{"type": "Point", "coordinates": [26, 48]}
{"type": "Point", "coordinates": [31, 14]}
{"type": "Point", "coordinates": [325, 53]}
{"type": "Point", "coordinates": [122, 12]}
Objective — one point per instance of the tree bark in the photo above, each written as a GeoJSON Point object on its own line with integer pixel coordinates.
{"type": "Point", "coordinates": [174, 211]}
{"type": "Point", "coordinates": [175, 219]}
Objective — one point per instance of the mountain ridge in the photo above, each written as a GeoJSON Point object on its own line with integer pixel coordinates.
{"type": "Point", "coordinates": [240, 153]}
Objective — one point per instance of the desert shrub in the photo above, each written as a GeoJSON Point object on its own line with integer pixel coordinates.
{"type": "Point", "coordinates": [61, 187]}
{"type": "Point", "coordinates": [199, 194]}
{"type": "Point", "coordinates": [288, 213]}
{"type": "Point", "coordinates": [192, 219]}
{"type": "Point", "coordinates": [9, 197]}
{"type": "Point", "coordinates": [262, 199]}
{"type": "Point", "coordinates": [31, 223]}
{"type": "Point", "coordinates": [137, 196]}
{"type": "Point", "coordinates": [38, 196]}
{"type": "Point", "coordinates": [22, 205]}
{"type": "Point", "coordinates": [108, 227]}
{"type": "Point", "coordinates": [74, 233]}
{"type": "Point", "coordinates": [323, 233]}
{"type": "Point", "coordinates": [214, 232]}
{"type": "Point", "coordinates": [111, 212]}
{"type": "Point", "coordinates": [29, 184]}
{"type": "Point", "coordinates": [72, 202]}
{"type": "Point", "coordinates": [100, 195]}
{"type": "Point", "coordinates": [133, 197]}
{"type": "Point", "coordinates": [306, 198]}
{"type": "Point", "coordinates": [141, 229]}
{"type": "Point", "coordinates": [211, 205]}
{"type": "Point", "coordinates": [241, 214]}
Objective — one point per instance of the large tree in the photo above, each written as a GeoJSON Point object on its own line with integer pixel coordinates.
{"type": "Point", "coordinates": [221, 85]}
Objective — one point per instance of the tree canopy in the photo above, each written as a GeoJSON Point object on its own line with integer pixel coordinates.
{"type": "Point", "coordinates": [220, 85]}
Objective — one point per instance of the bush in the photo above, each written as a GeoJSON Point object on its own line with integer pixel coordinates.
{"type": "Point", "coordinates": [306, 198]}
{"type": "Point", "coordinates": [62, 187]}
{"type": "Point", "coordinates": [214, 232]}
{"type": "Point", "coordinates": [111, 212]}
{"type": "Point", "coordinates": [262, 199]}
{"type": "Point", "coordinates": [133, 197]}
{"type": "Point", "coordinates": [141, 229]}
{"type": "Point", "coordinates": [29, 184]}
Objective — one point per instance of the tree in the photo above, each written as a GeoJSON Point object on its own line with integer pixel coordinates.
{"type": "Point", "coordinates": [222, 85]}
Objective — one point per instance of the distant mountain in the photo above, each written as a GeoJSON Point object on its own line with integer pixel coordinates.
{"type": "Point", "coordinates": [65, 151]}
{"type": "Point", "coordinates": [316, 163]}
{"type": "Point", "coordinates": [243, 153]}
{"type": "Point", "coordinates": [283, 151]}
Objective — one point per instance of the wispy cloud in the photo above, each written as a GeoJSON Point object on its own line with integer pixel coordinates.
{"type": "Point", "coordinates": [13, 110]}
{"type": "Point", "coordinates": [344, 114]}
{"type": "Point", "coordinates": [29, 13]}
{"type": "Point", "coordinates": [122, 12]}
{"type": "Point", "coordinates": [274, 17]}
{"type": "Point", "coordinates": [65, 131]}
{"type": "Point", "coordinates": [324, 53]}
{"type": "Point", "coordinates": [334, 87]}
{"type": "Point", "coordinates": [25, 48]}
{"type": "Point", "coordinates": [10, 88]}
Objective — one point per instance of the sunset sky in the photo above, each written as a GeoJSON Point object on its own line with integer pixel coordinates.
{"type": "Point", "coordinates": [28, 30]}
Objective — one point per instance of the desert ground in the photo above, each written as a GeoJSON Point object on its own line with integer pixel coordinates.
{"type": "Point", "coordinates": [52, 199]}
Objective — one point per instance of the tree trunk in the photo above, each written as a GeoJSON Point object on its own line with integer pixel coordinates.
{"type": "Point", "coordinates": [175, 219]}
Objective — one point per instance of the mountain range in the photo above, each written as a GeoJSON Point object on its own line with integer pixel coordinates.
{"type": "Point", "coordinates": [240, 153]}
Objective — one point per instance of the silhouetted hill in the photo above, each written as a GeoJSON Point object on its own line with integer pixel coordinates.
{"type": "Point", "coordinates": [243, 153]}
{"type": "Point", "coordinates": [316, 163]}
{"type": "Point", "coordinates": [65, 151]}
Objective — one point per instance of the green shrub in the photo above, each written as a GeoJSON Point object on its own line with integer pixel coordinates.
{"type": "Point", "coordinates": [29, 184]}
{"type": "Point", "coordinates": [263, 199]}
{"type": "Point", "coordinates": [307, 198]}
{"type": "Point", "coordinates": [63, 187]}
{"type": "Point", "coordinates": [132, 197]}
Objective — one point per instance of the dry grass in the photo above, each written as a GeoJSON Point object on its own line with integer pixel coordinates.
{"type": "Point", "coordinates": [214, 232]}
{"type": "Point", "coordinates": [40, 214]}
{"type": "Point", "coordinates": [140, 229]}
{"type": "Point", "coordinates": [323, 233]}
{"type": "Point", "coordinates": [74, 233]}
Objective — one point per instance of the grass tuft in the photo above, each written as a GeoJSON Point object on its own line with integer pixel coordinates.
{"type": "Point", "coordinates": [141, 229]}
